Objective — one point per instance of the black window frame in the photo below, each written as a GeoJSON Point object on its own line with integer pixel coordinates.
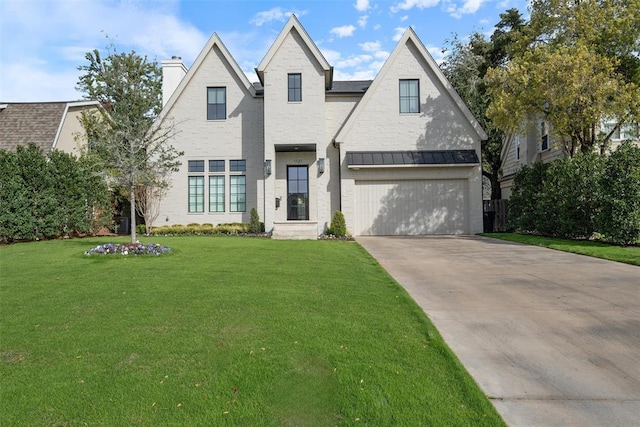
{"type": "Point", "coordinates": [196, 166]}
{"type": "Point", "coordinates": [196, 194]}
{"type": "Point", "coordinates": [294, 91]}
{"type": "Point", "coordinates": [217, 110]}
{"type": "Point", "coordinates": [409, 98]}
{"type": "Point", "coordinates": [235, 204]}
{"type": "Point", "coordinates": [216, 168]}
{"type": "Point", "coordinates": [239, 165]}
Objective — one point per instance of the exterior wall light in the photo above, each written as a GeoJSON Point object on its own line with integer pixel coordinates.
{"type": "Point", "coordinates": [267, 167]}
{"type": "Point", "coordinates": [321, 166]}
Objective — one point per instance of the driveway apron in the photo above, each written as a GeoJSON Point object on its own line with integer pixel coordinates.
{"type": "Point", "coordinates": [552, 338]}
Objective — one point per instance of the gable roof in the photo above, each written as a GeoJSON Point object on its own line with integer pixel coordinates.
{"type": "Point", "coordinates": [410, 36]}
{"type": "Point", "coordinates": [214, 40]}
{"type": "Point", "coordinates": [294, 24]}
{"type": "Point", "coordinates": [39, 123]}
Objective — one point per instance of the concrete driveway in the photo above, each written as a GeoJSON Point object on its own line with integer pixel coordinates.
{"type": "Point", "coordinates": [552, 338]}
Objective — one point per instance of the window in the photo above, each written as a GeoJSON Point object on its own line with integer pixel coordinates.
{"type": "Point", "coordinates": [517, 143]}
{"type": "Point", "coordinates": [216, 193]}
{"type": "Point", "coordinates": [196, 194]}
{"type": "Point", "coordinates": [297, 193]}
{"type": "Point", "coordinates": [216, 103]}
{"type": "Point", "coordinates": [409, 96]}
{"type": "Point", "coordinates": [216, 165]}
{"type": "Point", "coordinates": [237, 193]}
{"type": "Point", "coordinates": [237, 165]}
{"type": "Point", "coordinates": [544, 143]}
{"type": "Point", "coordinates": [196, 165]}
{"type": "Point", "coordinates": [295, 87]}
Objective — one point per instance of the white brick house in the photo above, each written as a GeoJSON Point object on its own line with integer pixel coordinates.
{"type": "Point", "coordinates": [398, 155]}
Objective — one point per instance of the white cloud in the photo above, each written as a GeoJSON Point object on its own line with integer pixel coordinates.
{"type": "Point", "coordinates": [361, 5]}
{"type": "Point", "coordinates": [353, 61]}
{"type": "Point", "coordinates": [356, 75]}
{"type": "Point", "coordinates": [398, 33]}
{"type": "Point", "coordinates": [468, 7]}
{"type": "Point", "coordinates": [382, 54]}
{"type": "Point", "coordinates": [436, 53]}
{"type": "Point", "coordinates": [377, 27]}
{"type": "Point", "coordinates": [274, 14]}
{"type": "Point", "coordinates": [344, 31]}
{"type": "Point", "coordinates": [410, 4]}
{"type": "Point", "coordinates": [332, 56]}
{"type": "Point", "coordinates": [362, 21]}
{"type": "Point", "coordinates": [370, 46]}
{"type": "Point", "coordinates": [404, 18]}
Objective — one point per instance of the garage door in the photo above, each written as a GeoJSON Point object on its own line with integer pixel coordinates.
{"type": "Point", "coordinates": [411, 207]}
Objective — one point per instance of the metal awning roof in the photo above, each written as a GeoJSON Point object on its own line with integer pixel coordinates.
{"type": "Point", "coordinates": [417, 158]}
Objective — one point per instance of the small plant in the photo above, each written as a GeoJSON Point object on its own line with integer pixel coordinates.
{"type": "Point", "coordinates": [338, 225]}
{"type": "Point", "coordinates": [255, 226]}
{"type": "Point", "coordinates": [128, 249]}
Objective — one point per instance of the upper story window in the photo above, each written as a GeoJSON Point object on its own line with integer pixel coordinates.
{"type": "Point", "coordinates": [216, 103]}
{"type": "Point", "coordinates": [196, 165]}
{"type": "Point", "coordinates": [544, 135]}
{"type": "Point", "coordinates": [295, 87]}
{"type": "Point", "coordinates": [409, 96]}
{"type": "Point", "coordinates": [216, 165]}
{"type": "Point", "coordinates": [237, 165]}
{"type": "Point", "coordinates": [517, 143]}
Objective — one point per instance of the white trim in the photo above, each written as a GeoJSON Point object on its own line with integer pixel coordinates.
{"type": "Point", "coordinates": [64, 117]}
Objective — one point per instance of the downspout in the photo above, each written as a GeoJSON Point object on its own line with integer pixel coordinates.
{"type": "Point", "coordinates": [337, 145]}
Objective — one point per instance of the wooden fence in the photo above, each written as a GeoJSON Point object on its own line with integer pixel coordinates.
{"type": "Point", "coordinates": [495, 215]}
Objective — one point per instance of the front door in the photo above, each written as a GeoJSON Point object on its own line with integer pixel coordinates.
{"type": "Point", "coordinates": [297, 193]}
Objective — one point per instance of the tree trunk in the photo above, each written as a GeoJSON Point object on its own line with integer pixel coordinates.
{"type": "Point", "coordinates": [132, 195]}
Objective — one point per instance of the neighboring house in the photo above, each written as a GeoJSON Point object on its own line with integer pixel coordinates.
{"type": "Point", "coordinates": [399, 155]}
{"type": "Point", "coordinates": [48, 125]}
{"type": "Point", "coordinates": [538, 145]}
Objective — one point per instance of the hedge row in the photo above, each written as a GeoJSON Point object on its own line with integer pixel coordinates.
{"type": "Point", "coordinates": [205, 229]}
{"type": "Point", "coordinates": [48, 196]}
{"type": "Point", "coordinates": [580, 197]}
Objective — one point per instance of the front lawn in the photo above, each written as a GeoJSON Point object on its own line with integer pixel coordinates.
{"type": "Point", "coordinates": [222, 331]}
{"type": "Point", "coordinates": [628, 254]}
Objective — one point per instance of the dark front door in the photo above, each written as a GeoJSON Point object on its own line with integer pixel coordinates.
{"type": "Point", "coordinates": [297, 192]}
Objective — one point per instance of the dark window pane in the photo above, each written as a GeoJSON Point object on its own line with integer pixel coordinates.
{"type": "Point", "coordinates": [196, 165]}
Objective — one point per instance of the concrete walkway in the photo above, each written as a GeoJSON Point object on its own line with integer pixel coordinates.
{"type": "Point", "coordinates": [552, 338]}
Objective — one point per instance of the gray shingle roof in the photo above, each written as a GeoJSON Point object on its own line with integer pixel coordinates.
{"type": "Point", "coordinates": [428, 157]}
{"type": "Point", "coordinates": [24, 123]}
{"type": "Point", "coordinates": [338, 87]}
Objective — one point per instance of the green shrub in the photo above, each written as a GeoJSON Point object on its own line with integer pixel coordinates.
{"type": "Point", "coordinates": [570, 199]}
{"type": "Point", "coordinates": [619, 218]}
{"type": "Point", "coordinates": [528, 185]}
{"type": "Point", "coordinates": [47, 196]}
{"type": "Point", "coordinates": [255, 226]}
{"type": "Point", "coordinates": [338, 225]}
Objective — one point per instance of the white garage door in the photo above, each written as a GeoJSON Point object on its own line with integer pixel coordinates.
{"type": "Point", "coordinates": [411, 207]}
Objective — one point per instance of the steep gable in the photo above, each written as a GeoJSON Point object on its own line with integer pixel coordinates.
{"type": "Point", "coordinates": [213, 47]}
{"type": "Point", "coordinates": [294, 25]}
{"type": "Point", "coordinates": [441, 107]}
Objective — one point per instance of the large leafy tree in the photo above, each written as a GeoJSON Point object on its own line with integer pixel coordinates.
{"type": "Point", "coordinates": [466, 65]}
{"type": "Point", "coordinates": [124, 138]}
{"type": "Point", "coordinates": [574, 65]}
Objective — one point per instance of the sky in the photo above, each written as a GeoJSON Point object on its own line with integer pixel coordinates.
{"type": "Point", "coordinates": [42, 42]}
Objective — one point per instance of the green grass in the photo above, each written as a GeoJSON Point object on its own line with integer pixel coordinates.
{"type": "Point", "coordinates": [223, 331]}
{"type": "Point", "coordinates": [626, 254]}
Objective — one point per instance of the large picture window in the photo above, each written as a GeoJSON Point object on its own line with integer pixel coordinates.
{"type": "Point", "coordinates": [409, 96]}
{"type": "Point", "coordinates": [196, 194]}
{"type": "Point", "coordinates": [216, 193]}
{"type": "Point", "coordinates": [216, 103]}
{"type": "Point", "coordinates": [295, 87]}
{"type": "Point", "coordinates": [237, 193]}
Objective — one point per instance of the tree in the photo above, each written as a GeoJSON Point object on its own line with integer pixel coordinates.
{"type": "Point", "coordinates": [134, 151]}
{"type": "Point", "coordinates": [574, 66]}
{"type": "Point", "coordinates": [466, 66]}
